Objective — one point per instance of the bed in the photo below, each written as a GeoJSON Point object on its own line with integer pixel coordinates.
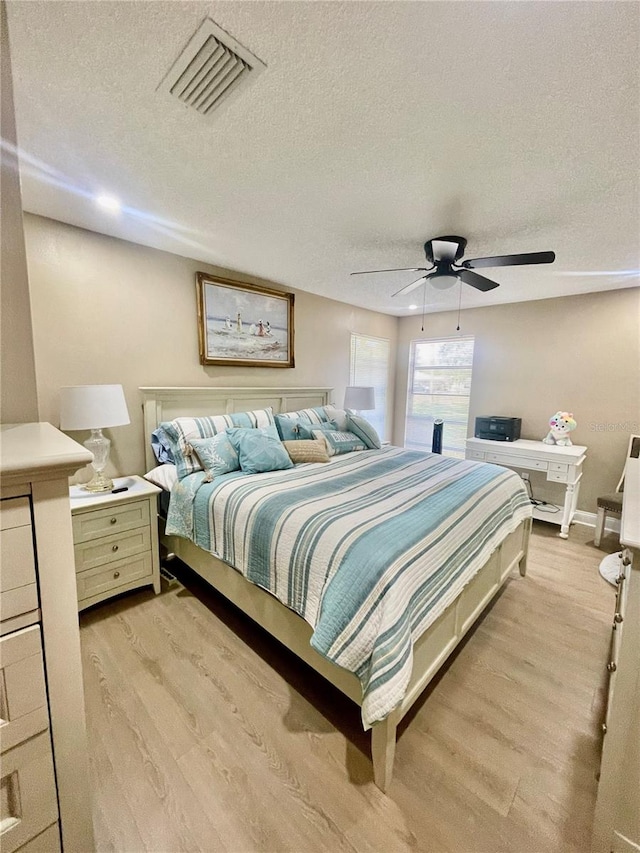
{"type": "Point", "coordinates": [497, 551]}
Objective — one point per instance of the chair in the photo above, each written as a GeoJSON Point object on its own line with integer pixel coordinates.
{"type": "Point", "coordinates": [611, 504]}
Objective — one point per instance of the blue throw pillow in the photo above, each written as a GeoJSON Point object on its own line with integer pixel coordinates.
{"type": "Point", "coordinates": [217, 455]}
{"type": "Point", "coordinates": [259, 450]}
{"type": "Point", "coordinates": [288, 428]}
{"type": "Point", "coordinates": [364, 430]}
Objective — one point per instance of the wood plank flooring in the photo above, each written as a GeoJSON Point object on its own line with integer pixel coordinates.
{"type": "Point", "coordinates": [206, 735]}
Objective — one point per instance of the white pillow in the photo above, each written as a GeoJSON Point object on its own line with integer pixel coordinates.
{"type": "Point", "coordinates": [165, 476]}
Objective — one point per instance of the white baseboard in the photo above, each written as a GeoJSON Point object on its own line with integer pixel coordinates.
{"type": "Point", "coordinates": [612, 524]}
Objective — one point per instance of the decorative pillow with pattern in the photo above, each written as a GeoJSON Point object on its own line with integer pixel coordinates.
{"type": "Point", "coordinates": [307, 450]}
{"type": "Point", "coordinates": [337, 415]}
{"type": "Point", "coordinates": [259, 450]}
{"type": "Point", "coordinates": [182, 431]}
{"type": "Point", "coordinates": [339, 442]}
{"type": "Point", "coordinates": [217, 455]}
{"type": "Point", "coordinates": [307, 431]}
{"type": "Point", "coordinates": [364, 430]}
{"type": "Point", "coordinates": [316, 415]}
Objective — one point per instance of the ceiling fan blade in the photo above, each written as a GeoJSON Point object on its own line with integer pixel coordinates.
{"type": "Point", "coordinates": [400, 269]}
{"type": "Point", "coordinates": [510, 260]}
{"type": "Point", "coordinates": [409, 287]}
{"type": "Point", "coordinates": [477, 281]}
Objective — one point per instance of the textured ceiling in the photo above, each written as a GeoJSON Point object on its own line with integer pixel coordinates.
{"type": "Point", "coordinates": [376, 126]}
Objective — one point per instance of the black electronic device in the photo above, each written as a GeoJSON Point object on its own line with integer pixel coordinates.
{"type": "Point", "coordinates": [498, 428]}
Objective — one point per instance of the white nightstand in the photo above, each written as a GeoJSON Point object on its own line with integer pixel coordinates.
{"type": "Point", "coordinates": [115, 540]}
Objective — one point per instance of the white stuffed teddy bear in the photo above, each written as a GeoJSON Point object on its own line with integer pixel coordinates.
{"type": "Point", "coordinates": [561, 424]}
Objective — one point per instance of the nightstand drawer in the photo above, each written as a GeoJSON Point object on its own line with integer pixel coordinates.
{"type": "Point", "coordinates": [102, 522]}
{"type": "Point", "coordinates": [23, 699]}
{"type": "Point", "coordinates": [29, 802]}
{"type": "Point", "coordinates": [97, 552]}
{"type": "Point", "coordinates": [108, 578]}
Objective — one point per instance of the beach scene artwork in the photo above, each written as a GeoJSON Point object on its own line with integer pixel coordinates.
{"type": "Point", "coordinates": [245, 324]}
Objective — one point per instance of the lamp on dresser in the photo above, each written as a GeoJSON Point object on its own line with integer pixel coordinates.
{"type": "Point", "coordinates": [359, 398]}
{"type": "Point", "coordinates": [94, 407]}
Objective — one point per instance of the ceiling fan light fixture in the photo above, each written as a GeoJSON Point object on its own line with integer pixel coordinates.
{"type": "Point", "coordinates": [443, 281]}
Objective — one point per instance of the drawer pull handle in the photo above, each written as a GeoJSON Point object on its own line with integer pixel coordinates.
{"type": "Point", "coordinates": [116, 574]}
{"type": "Point", "coordinates": [618, 618]}
{"type": "Point", "coordinates": [604, 728]}
{"type": "Point", "coordinates": [611, 666]}
{"type": "Point", "coordinates": [114, 547]}
{"type": "Point", "coordinates": [113, 521]}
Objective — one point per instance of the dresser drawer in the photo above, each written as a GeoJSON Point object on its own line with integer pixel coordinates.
{"type": "Point", "coordinates": [517, 461]}
{"type": "Point", "coordinates": [23, 699]}
{"type": "Point", "coordinates": [478, 455]}
{"type": "Point", "coordinates": [557, 476]}
{"type": "Point", "coordinates": [14, 512]}
{"type": "Point", "coordinates": [109, 549]}
{"type": "Point", "coordinates": [559, 467]}
{"type": "Point", "coordinates": [104, 579]}
{"type": "Point", "coordinates": [29, 804]}
{"type": "Point", "coordinates": [102, 522]}
{"type": "Point", "coordinates": [18, 591]}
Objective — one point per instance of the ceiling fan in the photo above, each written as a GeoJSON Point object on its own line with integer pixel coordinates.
{"type": "Point", "coordinates": [444, 252]}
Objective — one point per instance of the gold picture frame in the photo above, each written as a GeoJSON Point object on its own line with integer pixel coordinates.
{"type": "Point", "coordinates": [243, 325]}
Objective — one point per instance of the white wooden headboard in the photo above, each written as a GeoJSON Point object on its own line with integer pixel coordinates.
{"type": "Point", "coordinates": [164, 404]}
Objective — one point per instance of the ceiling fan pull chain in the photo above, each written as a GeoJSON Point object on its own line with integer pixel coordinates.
{"type": "Point", "coordinates": [424, 303]}
{"type": "Point", "coordinates": [459, 306]}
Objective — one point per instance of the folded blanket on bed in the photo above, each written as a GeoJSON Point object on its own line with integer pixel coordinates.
{"type": "Point", "coordinates": [369, 549]}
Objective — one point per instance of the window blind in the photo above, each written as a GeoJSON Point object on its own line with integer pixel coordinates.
{"type": "Point", "coordinates": [370, 367]}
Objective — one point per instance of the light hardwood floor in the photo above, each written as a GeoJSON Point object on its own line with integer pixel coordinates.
{"type": "Point", "coordinates": [206, 735]}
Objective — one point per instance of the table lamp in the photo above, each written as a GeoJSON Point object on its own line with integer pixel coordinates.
{"type": "Point", "coordinates": [94, 407]}
{"type": "Point", "coordinates": [359, 398]}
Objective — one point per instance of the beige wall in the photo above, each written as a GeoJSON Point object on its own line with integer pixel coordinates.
{"type": "Point", "coordinates": [108, 311]}
{"type": "Point", "coordinates": [578, 354]}
{"type": "Point", "coordinates": [18, 398]}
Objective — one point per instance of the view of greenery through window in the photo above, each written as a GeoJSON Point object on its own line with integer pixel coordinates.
{"type": "Point", "coordinates": [439, 387]}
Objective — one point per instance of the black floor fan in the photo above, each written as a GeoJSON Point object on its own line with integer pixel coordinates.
{"type": "Point", "coordinates": [436, 439]}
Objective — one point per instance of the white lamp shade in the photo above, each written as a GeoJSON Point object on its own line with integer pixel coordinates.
{"type": "Point", "coordinates": [359, 397]}
{"type": "Point", "coordinates": [92, 407]}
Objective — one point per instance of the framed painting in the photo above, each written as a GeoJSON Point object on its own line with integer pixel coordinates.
{"type": "Point", "coordinates": [243, 324]}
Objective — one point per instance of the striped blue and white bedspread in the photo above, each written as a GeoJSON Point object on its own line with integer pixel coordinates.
{"type": "Point", "coordinates": [369, 548]}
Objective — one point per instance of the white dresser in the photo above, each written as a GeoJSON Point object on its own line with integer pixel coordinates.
{"type": "Point", "coordinates": [560, 464]}
{"type": "Point", "coordinates": [45, 782]}
{"type": "Point", "coordinates": [616, 825]}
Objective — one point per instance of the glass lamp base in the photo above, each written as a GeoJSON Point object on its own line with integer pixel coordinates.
{"type": "Point", "coordinates": [99, 445]}
{"type": "Point", "coordinates": [98, 483]}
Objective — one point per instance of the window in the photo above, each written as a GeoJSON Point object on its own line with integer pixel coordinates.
{"type": "Point", "coordinates": [370, 366]}
{"type": "Point", "coordinates": [439, 387]}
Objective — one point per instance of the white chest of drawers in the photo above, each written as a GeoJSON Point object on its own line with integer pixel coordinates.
{"type": "Point", "coordinates": [616, 825]}
{"type": "Point", "coordinates": [115, 538]}
{"type": "Point", "coordinates": [559, 464]}
{"type": "Point", "coordinates": [45, 782]}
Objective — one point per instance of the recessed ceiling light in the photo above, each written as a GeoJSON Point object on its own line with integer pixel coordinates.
{"type": "Point", "coordinates": [109, 203]}
{"type": "Point", "coordinates": [413, 307]}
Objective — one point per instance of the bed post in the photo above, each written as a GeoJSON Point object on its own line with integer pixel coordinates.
{"type": "Point", "coordinates": [383, 748]}
{"type": "Point", "coordinates": [528, 523]}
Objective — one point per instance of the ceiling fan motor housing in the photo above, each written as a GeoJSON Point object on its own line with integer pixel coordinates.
{"type": "Point", "coordinates": [445, 249]}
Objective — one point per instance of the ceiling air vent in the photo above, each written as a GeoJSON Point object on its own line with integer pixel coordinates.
{"type": "Point", "coordinates": [211, 67]}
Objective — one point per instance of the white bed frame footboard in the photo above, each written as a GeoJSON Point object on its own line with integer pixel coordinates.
{"type": "Point", "coordinates": [429, 652]}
